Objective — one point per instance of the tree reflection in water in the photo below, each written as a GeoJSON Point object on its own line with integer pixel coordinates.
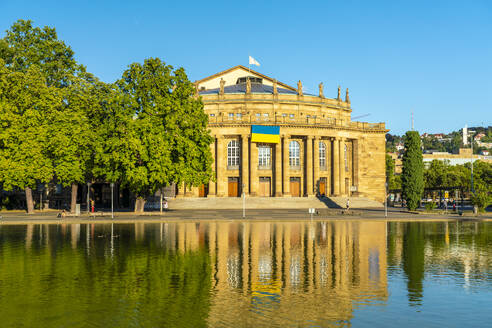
{"type": "Point", "coordinates": [217, 273]}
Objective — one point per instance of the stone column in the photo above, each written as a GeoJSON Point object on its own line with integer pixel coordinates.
{"type": "Point", "coordinates": [316, 164]}
{"type": "Point", "coordinates": [342, 166]}
{"type": "Point", "coordinates": [253, 191]}
{"type": "Point", "coordinates": [336, 167]}
{"type": "Point", "coordinates": [244, 163]}
{"type": "Point", "coordinates": [211, 184]}
{"type": "Point", "coordinates": [278, 170]}
{"type": "Point", "coordinates": [188, 190]}
{"type": "Point", "coordinates": [221, 161]}
{"type": "Point", "coordinates": [286, 167]}
{"type": "Point", "coordinates": [309, 167]}
{"type": "Point", "coordinates": [355, 163]}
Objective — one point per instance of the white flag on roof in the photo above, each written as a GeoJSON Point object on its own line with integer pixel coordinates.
{"type": "Point", "coordinates": [253, 61]}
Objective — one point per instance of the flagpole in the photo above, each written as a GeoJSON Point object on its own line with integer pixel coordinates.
{"type": "Point", "coordinates": [249, 66]}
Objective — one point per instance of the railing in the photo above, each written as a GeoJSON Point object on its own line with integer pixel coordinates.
{"type": "Point", "coordinates": [330, 121]}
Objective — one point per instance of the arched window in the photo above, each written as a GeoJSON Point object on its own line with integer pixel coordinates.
{"type": "Point", "coordinates": [264, 156]}
{"type": "Point", "coordinates": [233, 153]}
{"type": "Point", "coordinates": [322, 155]}
{"type": "Point", "coordinates": [294, 154]}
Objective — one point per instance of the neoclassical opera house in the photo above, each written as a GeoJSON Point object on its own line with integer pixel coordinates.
{"type": "Point", "coordinates": [273, 140]}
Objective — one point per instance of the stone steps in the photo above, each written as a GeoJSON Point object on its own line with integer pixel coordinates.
{"type": "Point", "coordinates": [270, 203]}
{"type": "Point", "coordinates": [356, 202]}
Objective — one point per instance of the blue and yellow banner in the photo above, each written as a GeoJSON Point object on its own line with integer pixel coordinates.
{"type": "Point", "coordinates": [267, 134]}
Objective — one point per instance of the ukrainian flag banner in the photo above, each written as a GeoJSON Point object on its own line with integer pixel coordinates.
{"type": "Point", "coordinates": [267, 134]}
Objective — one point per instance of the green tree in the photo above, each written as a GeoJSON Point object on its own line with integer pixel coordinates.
{"type": "Point", "coordinates": [436, 174]}
{"type": "Point", "coordinates": [113, 119]}
{"type": "Point", "coordinates": [482, 184]}
{"type": "Point", "coordinates": [393, 180]}
{"type": "Point", "coordinates": [167, 138]}
{"type": "Point", "coordinates": [72, 137]}
{"type": "Point", "coordinates": [458, 176]}
{"type": "Point", "coordinates": [26, 103]}
{"type": "Point", "coordinates": [412, 177]}
{"type": "Point", "coordinates": [69, 135]}
{"type": "Point", "coordinates": [25, 45]}
{"type": "Point", "coordinates": [455, 143]}
{"type": "Point", "coordinates": [432, 143]}
{"type": "Point", "coordinates": [481, 197]}
{"type": "Point", "coordinates": [390, 167]}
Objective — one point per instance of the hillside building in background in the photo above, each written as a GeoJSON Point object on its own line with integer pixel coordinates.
{"type": "Point", "coordinates": [275, 140]}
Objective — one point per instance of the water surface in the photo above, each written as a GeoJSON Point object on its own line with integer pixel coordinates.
{"type": "Point", "coordinates": [247, 274]}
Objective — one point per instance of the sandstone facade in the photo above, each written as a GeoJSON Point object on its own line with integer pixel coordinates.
{"type": "Point", "coordinates": [321, 150]}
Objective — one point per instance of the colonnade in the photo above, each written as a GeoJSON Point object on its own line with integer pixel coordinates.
{"type": "Point", "coordinates": [280, 172]}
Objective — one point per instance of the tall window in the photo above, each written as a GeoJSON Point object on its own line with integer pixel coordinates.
{"type": "Point", "coordinates": [322, 155]}
{"type": "Point", "coordinates": [233, 153]}
{"type": "Point", "coordinates": [264, 156]}
{"type": "Point", "coordinates": [294, 154]}
{"type": "Point", "coordinates": [345, 157]}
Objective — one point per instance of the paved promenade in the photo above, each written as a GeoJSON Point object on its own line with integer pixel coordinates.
{"type": "Point", "coordinates": [231, 214]}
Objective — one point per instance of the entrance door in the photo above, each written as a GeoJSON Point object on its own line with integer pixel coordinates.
{"type": "Point", "coordinates": [203, 191]}
{"type": "Point", "coordinates": [322, 187]}
{"type": "Point", "coordinates": [265, 186]}
{"type": "Point", "coordinates": [233, 190]}
{"type": "Point", "coordinates": [295, 187]}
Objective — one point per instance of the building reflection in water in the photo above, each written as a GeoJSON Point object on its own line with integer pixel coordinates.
{"type": "Point", "coordinates": [269, 270]}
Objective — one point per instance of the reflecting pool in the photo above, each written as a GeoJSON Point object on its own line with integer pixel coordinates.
{"type": "Point", "coordinates": [247, 274]}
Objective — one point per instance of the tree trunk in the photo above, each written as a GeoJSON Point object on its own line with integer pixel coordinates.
{"type": "Point", "coordinates": [139, 205]}
{"type": "Point", "coordinates": [73, 202]}
{"type": "Point", "coordinates": [30, 204]}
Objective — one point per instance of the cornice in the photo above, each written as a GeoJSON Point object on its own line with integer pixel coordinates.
{"type": "Point", "coordinates": [245, 100]}
{"type": "Point", "coordinates": [301, 126]}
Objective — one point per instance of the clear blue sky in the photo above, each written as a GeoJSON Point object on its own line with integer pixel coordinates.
{"type": "Point", "coordinates": [430, 57]}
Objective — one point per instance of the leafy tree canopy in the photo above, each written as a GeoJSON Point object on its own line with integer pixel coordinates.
{"type": "Point", "coordinates": [25, 45]}
{"type": "Point", "coordinates": [166, 137]}
{"type": "Point", "coordinates": [26, 103]}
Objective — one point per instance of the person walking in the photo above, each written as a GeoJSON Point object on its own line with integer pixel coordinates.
{"type": "Point", "coordinates": [348, 204]}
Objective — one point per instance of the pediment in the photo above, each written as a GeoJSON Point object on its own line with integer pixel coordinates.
{"type": "Point", "coordinates": [231, 76]}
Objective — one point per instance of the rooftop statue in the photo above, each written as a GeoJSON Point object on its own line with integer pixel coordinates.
{"type": "Point", "coordinates": [347, 99]}
{"type": "Point", "coordinates": [321, 95]}
{"type": "Point", "coordinates": [248, 85]}
{"type": "Point", "coordinates": [222, 83]}
{"type": "Point", "coordinates": [299, 88]}
{"type": "Point", "coordinates": [339, 97]}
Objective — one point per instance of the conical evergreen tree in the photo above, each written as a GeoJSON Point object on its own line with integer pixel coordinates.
{"type": "Point", "coordinates": [412, 177]}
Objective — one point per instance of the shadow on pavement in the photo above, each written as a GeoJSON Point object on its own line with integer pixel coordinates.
{"type": "Point", "coordinates": [328, 202]}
